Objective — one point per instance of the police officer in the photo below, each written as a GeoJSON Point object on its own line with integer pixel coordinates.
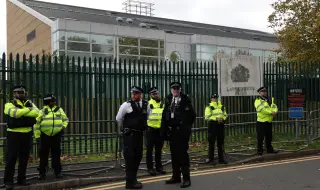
{"type": "Point", "coordinates": [132, 118]}
{"type": "Point", "coordinates": [21, 115]}
{"type": "Point", "coordinates": [154, 139]}
{"type": "Point", "coordinates": [51, 122]}
{"type": "Point", "coordinates": [216, 115]}
{"type": "Point", "coordinates": [266, 110]}
{"type": "Point", "coordinates": [177, 119]}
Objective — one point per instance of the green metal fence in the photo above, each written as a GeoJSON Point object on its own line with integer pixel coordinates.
{"type": "Point", "coordinates": [91, 92]}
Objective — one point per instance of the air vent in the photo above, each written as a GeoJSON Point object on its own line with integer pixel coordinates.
{"type": "Point", "coordinates": [119, 19]}
{"type": "Point", "coordinates": [143, 25]}
{"type": "Point", "coordinates": [129, 20]}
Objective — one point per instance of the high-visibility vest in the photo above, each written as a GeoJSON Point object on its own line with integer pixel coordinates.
{"type": "Point", "coordinates": [50, 121]}
{"type": "Point", "coordinates": [215, 111]}
{"type": "Point", "coordinates": [16, 115]}
{"type": "Point", "coordinates": [264, 110]}
{"type": "Point", "coordinates": [155, 116]}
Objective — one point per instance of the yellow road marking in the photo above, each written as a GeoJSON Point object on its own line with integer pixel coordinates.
{"type": "Point", "coordinates": [206, 172]}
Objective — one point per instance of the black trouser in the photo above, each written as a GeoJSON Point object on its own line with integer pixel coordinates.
{"type": "Point", "coordinates": [48, 143]}
{"type": "Point", "coordinates": [19, 145]}
{"type": "Point", "coordinates": [154, 141]}
{"type": "Point", "coordinates": [132, 151]}
{"type": "Point", "coordinates": [179, 145]}
{"type": "Point", "coordinates": [216, 132]}
{"type": "Point", "coordinates": [264, 130]}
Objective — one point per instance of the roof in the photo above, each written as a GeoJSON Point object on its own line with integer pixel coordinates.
{"type": "Point", "coordinates": [54, 11]}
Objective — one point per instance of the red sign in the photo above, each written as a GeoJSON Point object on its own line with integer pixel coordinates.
{"type": "Point", "coordinates": [296, 97]}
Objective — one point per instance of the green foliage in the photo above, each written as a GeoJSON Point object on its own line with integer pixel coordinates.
{"type": "Point", "coordinates": [297, 23]}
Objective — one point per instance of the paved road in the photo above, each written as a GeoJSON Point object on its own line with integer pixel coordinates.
{"type": "Point", "coordinates": [293, 174]}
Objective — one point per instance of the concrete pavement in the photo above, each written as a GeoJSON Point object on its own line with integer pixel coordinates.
{"type": "Point", "coordinates": [294, 174]}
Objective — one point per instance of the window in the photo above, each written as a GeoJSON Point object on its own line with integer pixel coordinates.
{"type": "Point", "coordinates": [31, 36]}
{"type": "Point", "coordinates": [61, 35]}
{"type": "Point", "coordinates": [149, 52]}
{"type": "Point", "coordinates": [79, 37]}
{"type": "Point", "coordinates": [223, 51]}
{"type": "Point", "coordinates": [128, 50]}
{"type": "Point", "coordinates": [240, 51]}
{"type": "Point", "coordinates": [207, 56]}
{"type": "Point", "coordinates": [128, 41]}
{"type": "Point", "coordinates": [78, 46]}
{"type": "Point", "coordinates": [148, 43]}
{"type": "Point", "coordinates": [149, 59]}
{"type": "Point", "coordinates": [103, 56]}
{"type": "Point", "coordinates": [78, 54]}
{"type": "Point", "coordinates": [102, 48]}
{"type": "Point", "coordinates": [123, 57]}
{"type": "Point", "coordinates": [62, 45]}
{"type": "Point", "coordinates": [209, 49]}
{"type": "Point", "coordinates": [100, 39]}
{"type": "Point", "coordinates": [258, 53]}
{"type": "Point", "coordinates": [161, 44]}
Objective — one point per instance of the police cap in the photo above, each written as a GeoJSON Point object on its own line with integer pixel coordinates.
{"type": "Point", "coordinates": [214, 96]}
{"type": "Point", "coordinates": [49, 97]}
{"type": "Point", "coordinates": [153, 90]}
{"type": "Point", "coordinates": [175, 85]}
{"type": "Point", "coordinates": [136, 89]}
{"type": "Point", "coordinates": [19, 88]}
{"type": "Point", "coordinates": [262, 89]}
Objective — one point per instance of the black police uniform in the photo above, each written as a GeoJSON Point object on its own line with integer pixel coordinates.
{"type": "Point", "coordinates": [177, 120]}
{"type": "Point", "coordinates": [134, 124]}
{"type": "Point", "coordinates": [155, 141]}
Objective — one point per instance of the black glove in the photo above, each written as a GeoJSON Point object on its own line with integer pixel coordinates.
{"type": "Point", "coordinates": [17, 105]}
{"type": "Point", "coordinates": [29, 104]}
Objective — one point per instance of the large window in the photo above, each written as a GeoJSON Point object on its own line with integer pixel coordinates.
{"type": "Point", "coordinates": [81, 44]}
{"type": "Point", "coordinates": [205, 52]}
{"type": "Point", "coordinates": [144, 49]}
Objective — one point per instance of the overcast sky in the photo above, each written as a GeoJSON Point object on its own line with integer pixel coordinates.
{"type": "Point", "coordinates": [251, 14]}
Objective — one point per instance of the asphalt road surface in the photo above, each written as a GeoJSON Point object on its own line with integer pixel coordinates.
{"type": "Point", "coordinates": [294, 174]}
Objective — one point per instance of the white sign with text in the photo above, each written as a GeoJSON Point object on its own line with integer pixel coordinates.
{"type": "Point", "coordinates": [240, 76]}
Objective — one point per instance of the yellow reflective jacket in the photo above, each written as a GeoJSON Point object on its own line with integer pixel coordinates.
{"type": "Point", "coordinates": [155, 116]}
{"type": "Point", "coordinates": [264, 110]}
{"type": "Point", "coordinates": [16, 113]}
{"type": "Point", "coordinates": [50, 121]}
{"type": "Point", "coordinates": [215, 111]}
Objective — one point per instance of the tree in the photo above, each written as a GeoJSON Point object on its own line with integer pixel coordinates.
{"type": "Point", "coordinates": [297, 25]}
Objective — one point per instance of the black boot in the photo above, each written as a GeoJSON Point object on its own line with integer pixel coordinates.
{"type": "Point", "coordinates": [42, 177]}
{"type": "Point", "coordinates": [223, 161]}
{"type": "Point", "coordinates": [9, 186]}
{"type": "Point", "coordinates": [23, 183]}
{"type": "Point", "coordinates": [173, 180]}
{"type": "Point", "coordinates": [152, 172]}
{"type": "Point", "coordinates": [161, 171]}
{"type": "Point", "coordinates": [137, 185]}
{"type": "Point", "coordinates": [185, 184]}
{"type": "Point", "coordinates": [59, 176]}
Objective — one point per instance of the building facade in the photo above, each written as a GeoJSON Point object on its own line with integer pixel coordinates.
{"type": "Point", "coordinates": [34, 27]}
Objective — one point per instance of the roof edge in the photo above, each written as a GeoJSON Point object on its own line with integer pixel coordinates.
{"type": "Point", "coordinates": [34, 13]}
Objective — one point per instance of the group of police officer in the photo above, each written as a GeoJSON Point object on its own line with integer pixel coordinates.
{"type": "Point", "coordinates": [170, 119]}
{"type": "Point", "coordinates": [23, 119]}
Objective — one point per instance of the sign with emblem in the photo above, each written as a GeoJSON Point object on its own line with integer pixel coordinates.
{"type": "Point", "coordinates": [240, 76]}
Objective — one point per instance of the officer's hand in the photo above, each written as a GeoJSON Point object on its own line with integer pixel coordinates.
{"type": "Point", "coordinates": [18, 106]}
{"type": "Point", "coordinates": [29, 104]}
{"type": "Point", "coordinates": [273, 113]}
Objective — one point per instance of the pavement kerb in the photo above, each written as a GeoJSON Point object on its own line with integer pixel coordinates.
{"type": "Point", "coordinates": [80, 182]}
